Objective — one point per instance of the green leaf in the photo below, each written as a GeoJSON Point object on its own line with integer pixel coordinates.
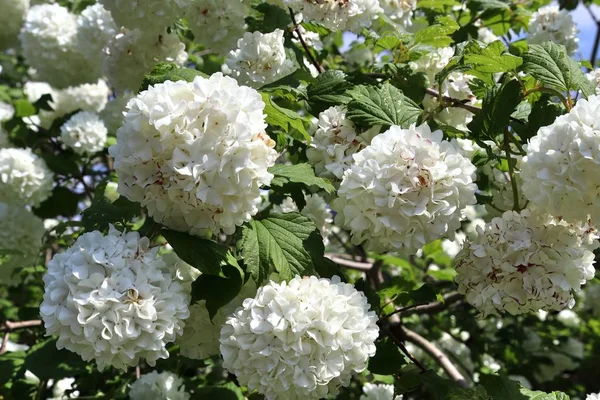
{"type": "Point", "coordinates": [283, 118]}
{"type": "Point", "coordinates": [437, 35]}
{"type": "Point", "coordinates": [385, 106]}
{"type": "Point", "coordinates": [328, 89]}
{"type": "Point", "coordinates": [166, 71]}
{"type": "Point", "coordinates": [101, 213]}
{"type": "Point", "coordinates": [273, 17]}
{"type": "Point", "coordinates": [299, 173]}
{"type": "Point", "coordinates": [62, 164]}
{"type": "Point", "coordinates": [45, 361]}
{"type": "Point", "coordinates": [538, 395]}
{"type": "Point", "coordinates": [550, 64]}
{"type": "Point", "coordinates": [498, 105]}
{"type": "Point", "coordinates": [277, 244]}
{"type": "Point", "coordinates": [24, 108]}
{"type": "Point", "coordinates": [62, 202]}
{"type": "Point", "coordinates": [10, 364]}
{"type": "Point", "coordinates": [500, 387]}
{"type": "Point", "coordinates": [205, 255]}
{"type": "Point", "coordinates": [217, 291]}
{"type": "Point", "coordinates": [387, 359]}
{"type": "Point", "coordinates": [493, 59]}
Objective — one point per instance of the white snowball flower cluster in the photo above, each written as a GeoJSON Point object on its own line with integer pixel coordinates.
{"type": "Point", "coordinates": [301, 339]}
{"type": "Point", "coordinates": [132, 53]}
{"type": "Point", "coordinates": [7, 111]}
{"type": "Point", "coordinates": [95, 28]}
{"type": "Point", "coordinates": [432, 63]}
{"type": "Point", "coordinates": [20, 231]}
{"type": "Point", "coordinates": [372, 391]}
{"type": "Point", "coordinates": [405, 190]}
{"type": "Point", "coordinates": [200, 337]}
{"type": "Point", "coordinates": [550, 23]}
{"type": "Point", "coordinates": [11, 21]}
{"type": "Point", "coordinates": [561, 171]}
{"type": "Point", "coordinates": [24, 177]}
{"type": "Point", "coordinates": [316, 209]}
{"type": "Point", "coordinates": [164, 385]}
{"type": "Point", "coordinates": [400, 11]}
{"type": "Point", "coordinates": [195, 154]}
{"type": "Point", "coordinates": [338, 15]}
{"type": "Point", "coordinates": [334, 143]}
{"type": "Point", "coordinates": [217, 24]}
{"type": "Point", "coordinates": [523, 262]}
{"type": "Point", "coordinates": [113, 299]}
{"type": "Point", "coordinates": [84, 132]}
{"type": "Point", "coordinates": [593, 396]}
{"type": "Point", "coordinates": [148, 15]}
{"type": "Point", "coordinates": [594, 77]}
{"type": "Point", "coordinates": [259, 59]}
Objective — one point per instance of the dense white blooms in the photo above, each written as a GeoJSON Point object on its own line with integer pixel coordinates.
{"type": "Point", "coordinates": [113, 299]}
{"type": "Point", "coordinates": [21, 232]}
{"type": "Point", "coordinates": [7, 111]}
{"type": "Point", "coordinates": [593, 396]}
{"type": "Point", "coordinates": [334, 143]}
{"type": "Point", "coordinates": [373, 391]}
{"type": "Point", "coordinates": [594, 77]}
{"type": "Point", "coordinates": [11, 21]}
{"type": "Point", "coordinates": [400, 11]}
{"type": "Point", "coordinates": [148, 15]}
{"type": "Point", "coordinates": [301, 339]}
{"type": "Point", "coordinates": [316, 209]}
{"type": "Point", "coordinates": [84, 132]}
{"type": "Point", "coordinates": [455, 86]}
{"type": "Point", "coordinates": [259, 59]}
{"type": "Point", "coordinates": [114, 112]}
{"type": "Point", "coordinates": [405, 190]}
{"type": "Point", "coordinates": [35, 90]}
{"type": "Point", "coordinates": [523, 263]}
{"type": "Point", "coordinates": [59, 389]}
{"type": "Point", "coordinates": [133, 53]}
{"type": "Point", "coordinates": [95, 28]}
{"type": "Point", "coordinates": [200, 337]}
{"type": "Point", "coordinates": [91, 97]}
{"type": "Point", "coordinates": [217, 24]}
{"type": "Point", "coordinates": [158, 386]}
{"type": "Point", "coordinates": [561, 171]}
{"type": "Point", "coordinates": [338, 15]}
{"type": "Point", "coordinates": [50, 46]}
{"type": "Point", "coordinates": [312, 39]}
{"type": "Point", "coordinates": [432, 63]}
{"type": "Point", "coordinates": [550, 23]}
{"type": "Point", "coordinates": [195, 153]}
{"type": "Point", "coordinates": [486, 35]}
{"type": "Point", "coordinates": [24, 177]}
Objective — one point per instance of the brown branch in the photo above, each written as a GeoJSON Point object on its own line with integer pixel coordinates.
{"type": "Point", "coordinates": [452, 102]}
{"type": "Point", "coordinates": [9, 327]}
{"type": "Point", "coordinates": [345, 262]}
{"type": "Point", "coordinates": [403, 348]}
{"type": "Point", "coordinates": [310, 55]}
{"type": "Point", "coordinates": [4, 342]}
{"type": "Point", "coordinates": [439, 356]}
{"type": "Point", "coordinates": [436, 306]}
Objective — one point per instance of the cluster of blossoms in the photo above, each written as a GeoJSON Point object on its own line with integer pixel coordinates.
{"type": "Point", "coordinates": [113, 299]}
{"type": "Point", "coordinates": [316, 209]}
{"type": "Point", "coordinates": [315, 332]}
{"type": "Point", "coordinates": [550, 23]}
{"type": "Point", "coordinates": [259, 59]}
{"type": "Point", "coordinates": [335, 142]}
{"type": "Point", "coordinates": [523, 262]}
{"type": "Point", "coordinates": [400, 11]}
{"type": "Point", "coordinates": [24, 177]}
{"type": "Point", "coordinates": [145, 14]}
{"type": "Point", "coordinates": [594, 77]}
{"type": "Point", "coordinates": [195, 154]}
{"type": "Point", "coordinates": [373, 391]}
{"type": "Point", "coordinates": [21, 232]}
{"type": "Point", "coordinates": [405, 190]}
{"type": "Point", "coordinates": [338, 15]}
{"type": "Point", "coordinates": [154, 385]}
{"type": "Point", "coordinates": [561, 171]}
{"type": "Point", "coordinates": [84, 132]}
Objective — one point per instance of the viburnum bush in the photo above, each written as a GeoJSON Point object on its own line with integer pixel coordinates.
{"type": "Point", "coordinates": [298, 199]}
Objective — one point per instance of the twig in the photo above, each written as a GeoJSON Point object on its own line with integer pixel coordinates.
{"type": "Point", "coordinates": [511, 171]}
{"type": "Point", "coordinates": [138, 372]}
{"type": "Point", "coordinates": [4, 343]}
{"type": "Point", "coordinates": [403, 348]}
{"type": "Point", "coordinates": [310, 55]}
{"type": "Point", "coordinates": [436, 353]}
{"type": "Point", "coordinates": [426, 308]}
{"type": "Point", "coordinates": [597, 40]}
{"type": "Point", "coordinates": [8, 327]}
{"type": "Point", "coordinates": [339, 259]}
{"type": "Point", "coordinates": [452, 102]}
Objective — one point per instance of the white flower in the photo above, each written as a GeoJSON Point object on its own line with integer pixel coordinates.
{"type": "Point", "coordinates": [84, 132]}
{"type": "Point", "coordinates": [95, 28]}
{"type": "Point", "coordinates": [399, 10]}
{"type": "Point", "coordinates": [569, 318]}
{"type": "Point", "coordinates": [433, 62]}
{"type": "Point", "coordinates": [50, 46]}
{"type": "Point", "coordinates": [114, 112]}
{"type": "Point", "coordinates": [334, 143]}
{"type": "Point", "coordinates": [455, 86]}
{"type": "Point", "coordinates": [113, 299]}
{"type": "Point", "coordinates": [549, 23]}
{"type": "Point", "coordinates": [259, 59]}
{"type": "Point", "coordinates": [131, 54]}
{"type": "Point", "coordinates": [195, 154]}
{"type": "Point", "coordinates": [35, 90]}
{"type": "Point", "coordinates": [561, 171]}
{"type": "Point", "coordinates": [593, 396]}
{"type": "Point", "coordinates": [60, 387]}
{"type": "Point", "coordinates": [338, 15]}
{"type": "Point", "coordinates": [11, 21]}
{"type": "Point", "coordinates": [217, 24]}
{"type": "Point", "coordinates": [21, 233]}
{"type": "Point", "coordinates": [486, 35]}
{"type": "Point", "coordinates": [523, 263]}
{"type": "Point", "coordinates": [300, 340]}
{"type": "Point", "coordinates": [155, 386]}
{"type": "Point", "coordinates": [378, 392]}
{"type": "Point", "coordinates": [148, 15]}
{"type": "Point", "coordinates": [594, 77]}
{"type": "Point", "coordinates": [405, 190]}
{"type": "Point", "coordinates": [7, 111]}
{"type": "Point", "coordinates": [312, 39]}
{"type": "Point", "coordinates": [24, 177]}
{"type": "Point", "coordinates": [316, 209]}
{"type": "Point", "coordinates": [200, 337]}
